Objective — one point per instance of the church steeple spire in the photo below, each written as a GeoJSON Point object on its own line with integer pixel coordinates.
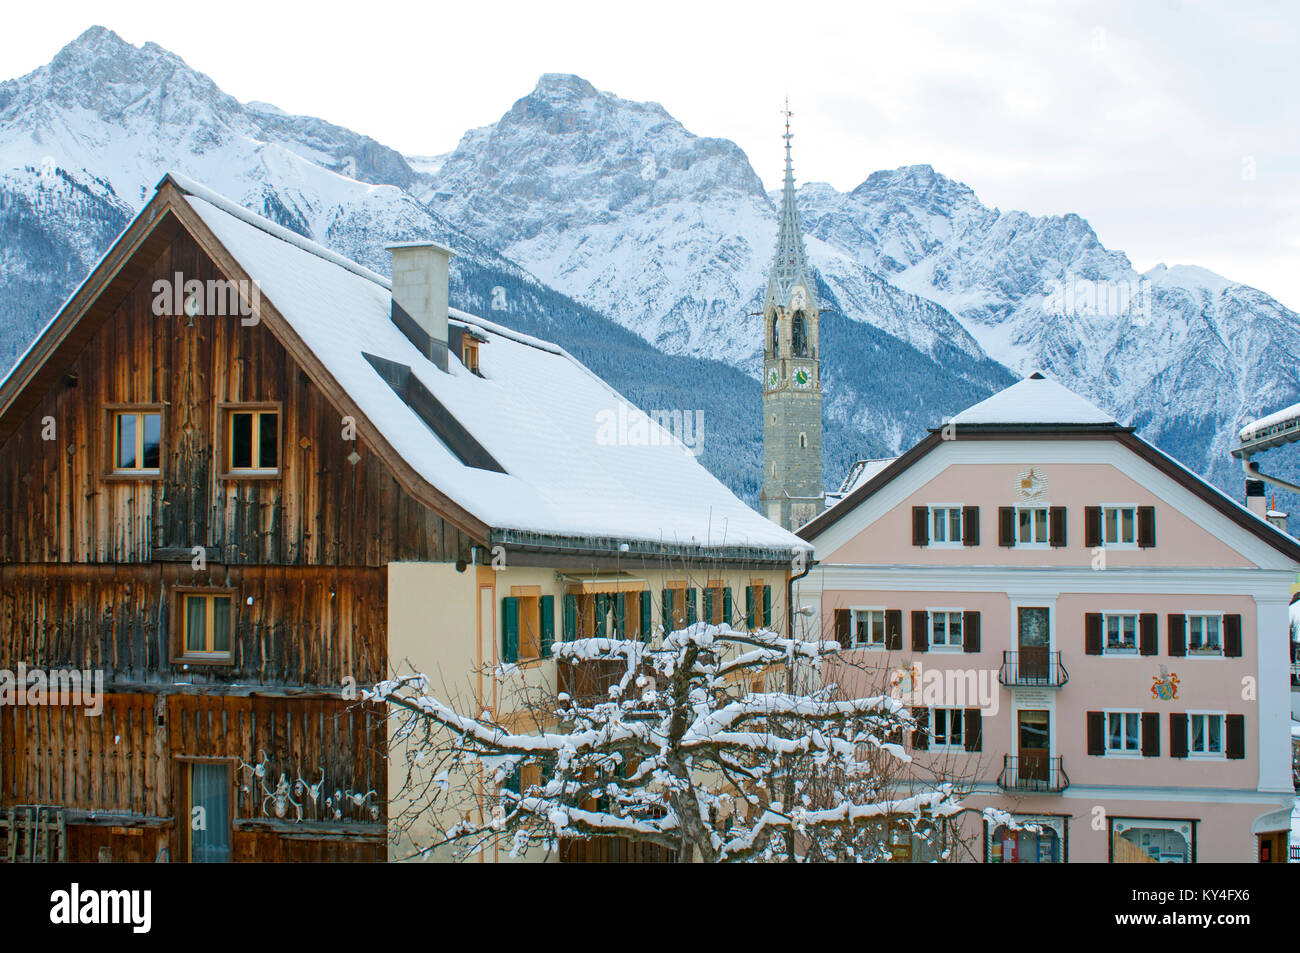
{"type": "Point", "coordinates": [789, 265]}
{"type": "Point", "coordinates": [792, 386]}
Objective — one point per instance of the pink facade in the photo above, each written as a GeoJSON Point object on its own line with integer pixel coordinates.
{"type": "Point", "coordinates": [1134, 693]}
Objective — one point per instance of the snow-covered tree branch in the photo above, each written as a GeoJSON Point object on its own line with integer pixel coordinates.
{"type": "Point", "coordinates": [715, 744]}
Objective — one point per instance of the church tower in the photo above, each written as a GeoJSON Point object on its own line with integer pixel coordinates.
{"type": "Point", "coordinates": [792, 385]}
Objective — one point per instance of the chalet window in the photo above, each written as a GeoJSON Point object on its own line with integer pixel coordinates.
{"type": "Point", "coordinates": [1126, 733]}
{"type": "Point", "coordinates": [679, 606]}
{"type": "Point", "coordinates": [869, 628]}
{"type": "Point", "coordinates": [946, 629]}
{"type": "Point", "coordinates": [1119, 525]}
{"type": "Point", "coordinates": [717, 604]}
{"type": "Point", "coordinates": [209, 784]}
{"type": "Point", "coordinates": [1205, 635]}
{"type": "Point", "coordinates": [137, 441]}
{"type": "Point", "coordinates": [945, 524]}
{"type": "Point", "coordinates": [1121, 634]}
{"type": "Point", "coordinates": [527, 625]}
{"type": "Point", "coordinates": [948, 727]}
{"type": "Point", "coordinates": [252, 441]}
{"type": "Point", "coordinates": [758, 606]}
{"type": "Point", "coordinates": [1031, 526]}
{"type": "Point", "coordinates": [1205, 734]}
{"type": "Point", "coordinates": [206, 626]}
{"type": "Point", "coordinates": [469, 352]}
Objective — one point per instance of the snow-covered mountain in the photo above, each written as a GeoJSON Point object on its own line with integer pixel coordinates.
{"type": "Point", "coordinates": [619, 206]}
{"type": "Point", "coordinates": [84, 139]}
{"type": "Point", "coordinates": [605, 225]}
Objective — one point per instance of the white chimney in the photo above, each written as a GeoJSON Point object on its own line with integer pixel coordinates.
{"type": "Point", "coordinates": [1255, 498]}
{"type": "Point", "coordinates": [420, 272]}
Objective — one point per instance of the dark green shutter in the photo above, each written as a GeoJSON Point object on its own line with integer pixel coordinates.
{"type": "Point", "coordinates": [726, 605]}
{"type": "Point", "coordinates": [667, 596]}
{"type": "Point", "coordinates": [547, 608]}
{"type": "Point", "coordinates": [620, 615]}
{"type": "Point", "coordinates": [691, 615]}
{"type": "Point", "coordinates": [767, 605]}
{"type": "Point", "coordinates": [509, 629]}
{"type": "Point", "coordinates": [645, 615]}
{"type": "Point", "coordinates": [708, 605]}
{"type": "Point", "coordinates": [749, 607]}
{"type": "Point", "coordinates": [570, 616]}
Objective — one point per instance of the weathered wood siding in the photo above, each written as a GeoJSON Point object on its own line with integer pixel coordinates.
{"type": "Point", "coordinates": [56, 505]}
{"type": "Point", "coordinates": [292, 627]}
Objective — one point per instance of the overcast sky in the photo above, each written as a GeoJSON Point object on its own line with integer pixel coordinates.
{"type": "Point", "coordinates": [1170, 125]}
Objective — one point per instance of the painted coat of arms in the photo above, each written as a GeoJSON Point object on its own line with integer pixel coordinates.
{"type": "Point", "coordinates": [1165, 685]}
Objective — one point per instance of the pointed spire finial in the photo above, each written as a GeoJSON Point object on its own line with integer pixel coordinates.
{"type": "Point", "coordinates": [788, 265]}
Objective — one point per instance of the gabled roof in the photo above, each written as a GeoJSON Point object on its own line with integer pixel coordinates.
{"type": "Point", "coordinates": [1034, 400]}
{"type": "Point", "coordinates": [579, 476]}
{"type": "Point", "coordinates": [1014, 413]}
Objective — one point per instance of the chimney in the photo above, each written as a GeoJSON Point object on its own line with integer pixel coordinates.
{"type": "Point", "coordinates": [1255, 498]}
{"type": "Point", "coordinates": [420, 271]}
{"type": "Point", "coordinates": [1276, 516]}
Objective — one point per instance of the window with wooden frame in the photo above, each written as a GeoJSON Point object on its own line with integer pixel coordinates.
{"type": "Point", "coordinates": [717, 603]}
{"type": "Point", "coordinates": [251, 439]}
{"type": "Point", "coordinates": [208, 796]}
{"type": "Point", "coordinates": [527, 624]}
{"type": "Point", "coordinates": [135, 440]}
{"type": "Point", "coordinates": [205, 624]}
{"type": "Point", "coordinates": [758, 605]}
{"type": "Point", "coordinates": [869, 628]}
{"type": "Point", "coordinates": [1119, 525]}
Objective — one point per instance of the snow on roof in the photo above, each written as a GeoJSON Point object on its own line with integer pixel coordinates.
{"type": "Point", "coordinates": [1034, 400]}
{"type": "Point", "coordinates": [859, 474]}
{"type": "Point", "coordinates": [576, 462]}
{"type": "Point", "coordinates": [1281, 426]}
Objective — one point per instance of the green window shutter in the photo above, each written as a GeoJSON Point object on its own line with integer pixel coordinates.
{"type": "Point", "coordinates": [708, 605]}
{"type": "Point", "coordinates": [570, 616]}
{"type": "Point", "coordinates": [645, 615]}
{"type": "Point", "coordinates": [767, 605]}
{"type": "Point", "coordinates": [667, 596]}
{"type": "Point", "coordinates": [749, 607]}
{"type": "Point", "coordinates": [620, 615]}
{"type": "Point", "coordinates": [547, 609]}
{"type": "Point", "coordinates": [726, 605]}
{"type": "Point", "coordinates": [509, 629]}
{"type": "Point", "coordinates": [692, 616]}
{"type": "Point", "coordinates": [601, 606]}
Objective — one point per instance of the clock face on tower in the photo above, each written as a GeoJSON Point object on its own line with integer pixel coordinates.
{"type": "Point", "coordinates": [802, 378]}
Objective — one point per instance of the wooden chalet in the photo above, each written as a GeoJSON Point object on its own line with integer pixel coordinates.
{"type": "Point", "coordinates": [240, 510]}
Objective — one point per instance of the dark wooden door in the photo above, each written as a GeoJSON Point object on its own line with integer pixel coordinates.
{"type": "Point", "coordinates": [1033, 641]}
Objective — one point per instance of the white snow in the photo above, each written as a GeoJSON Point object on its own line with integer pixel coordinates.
{"type": "Point", "coordinates": [1287, 415]}
{"type": "Point", "coordinates": [537, 410]}
{"type": "Point", "coordinates": [1034, 400]}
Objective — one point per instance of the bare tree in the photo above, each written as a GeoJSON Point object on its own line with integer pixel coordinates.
{"type": "Point", "coordinates": [715, 744]}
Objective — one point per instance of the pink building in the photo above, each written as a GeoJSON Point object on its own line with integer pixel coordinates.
{"type": "Point", "coordinates": [1089, 630]}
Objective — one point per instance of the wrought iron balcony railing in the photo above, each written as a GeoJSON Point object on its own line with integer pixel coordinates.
{"type": "Point", "coordinates": [1033, 773]}
{"type": "Point", "coordinates": [1032, 668]}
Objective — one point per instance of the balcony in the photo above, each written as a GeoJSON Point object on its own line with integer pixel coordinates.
{"type": "Point", "coordinates": [1033, 774]}
{"type": "Point", "coordinates": [1032, 668]}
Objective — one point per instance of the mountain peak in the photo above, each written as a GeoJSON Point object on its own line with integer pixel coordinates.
{"type": "Point", "coordinates": [566, 85]}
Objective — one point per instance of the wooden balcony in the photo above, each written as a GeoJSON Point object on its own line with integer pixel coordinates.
{"type": "Point", "coordinates": [588, 683]}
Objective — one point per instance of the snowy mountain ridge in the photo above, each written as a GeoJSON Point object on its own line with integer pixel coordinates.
{"type": "Point", "coordinates": [585, 207]}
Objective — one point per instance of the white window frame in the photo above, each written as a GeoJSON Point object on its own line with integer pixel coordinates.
{"type": "Point", "coordinates": [929, 628]}
{"type": "Point", "coordinates": [946, 508]}
{"type": "Point", "coordinates": [1047, 526]}
{"type": "Point", "coordinates": [1222, 753]}
{"type": "Point", "coordinates": [946, 745]}
{"type": "Point", "coordinates": [1187, 631]}
{"type": "Point", "coordinates": [1106, 616]}
{"type": "Point", "coordinates": [853, 634]}
{"type": "Point", "coordinates": [1122, 752]}
{"type": "Point", "coordinates": [1119, 544]}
